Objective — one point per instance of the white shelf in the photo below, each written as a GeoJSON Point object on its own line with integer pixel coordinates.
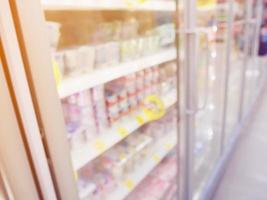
{"type": "Point", "coordinates": [85, 81]}
{"type": "Point", "coordinates": [134, 179]}
{"type": "Point", "coordinates": [88, 152]}
{"type": "Point", "coordinates": [155, 5]}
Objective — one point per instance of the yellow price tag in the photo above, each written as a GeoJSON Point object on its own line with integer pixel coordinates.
{"type": "Point", "coordinates": [129, 184]}
{"type": "Point", "coordinates": [122, 156]}
{"type": "Point", "coordinates": [140, 120]}
{"type": "Point", "coordinates": [168, 146]}
{"type": "Point", "coordinates": [76, 176]}
{"type": "Point", "coordinates": [130, 3]}
{"type": "Point", "coordinates": [57, 73]}
{"type": "Point", "coordinates": [154, 107]}
{"type": "Point", "coordinates": [123, 132]}
{"type": "Point", "coordinates": [156, 158]}
{"type": "Point", "coordinates": [100, 146]}
{"type": "Point", "coordinates": [206, 3]}
{"type": "Point", "coordinates": [142, 1]}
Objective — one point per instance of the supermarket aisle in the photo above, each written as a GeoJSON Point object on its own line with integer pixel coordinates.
{"type": "Point", "coordinates": [246, 175]}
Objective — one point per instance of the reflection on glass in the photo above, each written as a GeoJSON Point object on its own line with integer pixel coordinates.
{"type": "Point", "coordinates": [115, 68]}
{"type": "Point", "coordinates": [235, 71]}
{"type": "Point", "coordinates": [211, 54]}
{"type": "Point", "coordinates": [254, 70]}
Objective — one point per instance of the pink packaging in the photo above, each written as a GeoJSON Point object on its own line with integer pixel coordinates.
{"type": "Point", "coordinates": [112, 107]}
{"type": "Point", "coordinates": [88, 121]}
{"type": "Point", "coordinates": [71, 113]}
{"type": "Point", "coordinates": [100, 110]}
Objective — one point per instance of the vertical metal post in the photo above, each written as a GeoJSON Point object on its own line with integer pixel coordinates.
{"type": "Point", "coordinates": [259, 11]}
{"type": "Point", "coordinates": [227, 71]}
{"type": "Point", "coordinates": [246, 56]}
{"type": "Point", "coordinates": [190, 76]}
{"type": "Point", "coordinates": [257, 24]}
{"type": "Point", "coordinates": [178, 146]}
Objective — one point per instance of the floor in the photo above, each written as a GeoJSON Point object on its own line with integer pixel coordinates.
{"type": "Point", "coordinates": [246, 174]}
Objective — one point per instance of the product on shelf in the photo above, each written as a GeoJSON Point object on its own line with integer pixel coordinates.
{"type": "Point", "coordinates": [94, 184]}
{"type": "Point", "coordinates": [99, 178]}
{"type": "Point", "coordinates": [166, 34]}
{"type": "Point", "coordinates": [157, 183]}
{"type": "Point", "coordinates": [79, 118]}
{"type": "Point", "coordinates": [91, 113]}
{"type": "Point", "coordinates": [53, 31]}
{"type": "Point", "coordinates": [123, 159]}
{"type": "Point", "coordinates": [110, 43]}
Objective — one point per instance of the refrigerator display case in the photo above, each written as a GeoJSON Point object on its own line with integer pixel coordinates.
{"type": "Point", "coordinates": [106, 90]}
{"type": "Point", "coordinates": [216, 43]}
{"type": "Point", "coordinates": [106, 93]}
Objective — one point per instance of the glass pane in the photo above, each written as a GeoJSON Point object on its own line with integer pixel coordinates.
{"type": "Point", "coordinates": [211, 55]}
{"type": "Point", "coordinates": [115, 66]}
{"type": "Point", "coordinates": [236, 67]}
{"type": "Point", "coordinates": [255, 71]}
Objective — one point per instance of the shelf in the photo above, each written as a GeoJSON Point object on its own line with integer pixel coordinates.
{"type": "Point", "coordinates": [155, 5]}
{"type": "Point", "coordinates": [85, 81]}
{"type": "Point", "coordinates": [90, 151]}
{"type": "Point", "coordinates": [134, 179]}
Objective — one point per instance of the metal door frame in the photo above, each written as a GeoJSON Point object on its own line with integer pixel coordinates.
{"type": "Point", "coordinates": [188, 135]}
{"type": "Point", "coordinates": [33, 44]}
{"type": "Point", "coordinates": [248, 12]}
{"type": "Point", "coordinates": [30, 22]}
{"type": "Point", "coordinates": [227, 149]}
{"type": "Point", "coordinates": [14, 161]}
{"type": "Point", "coordinates": [22, 102]}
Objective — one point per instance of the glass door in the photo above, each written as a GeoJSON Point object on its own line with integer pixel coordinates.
{"type": "Point", "coordinates": [255, 72]}
{"type": "Point", "coordinates": [212, 38]}
{"type": "Point", "coordinates": [108, 71]}
{"type": "Point", "coordinates": [237, 64]}
{"type": "Point", "coordinates": [206, 26]}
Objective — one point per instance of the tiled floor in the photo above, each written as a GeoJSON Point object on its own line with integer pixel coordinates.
{"type": "Point", "coordinates": [246, 175]}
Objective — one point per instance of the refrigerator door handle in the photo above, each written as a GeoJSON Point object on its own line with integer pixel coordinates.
{"type": "Point", "coordinates": [207, 73]}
